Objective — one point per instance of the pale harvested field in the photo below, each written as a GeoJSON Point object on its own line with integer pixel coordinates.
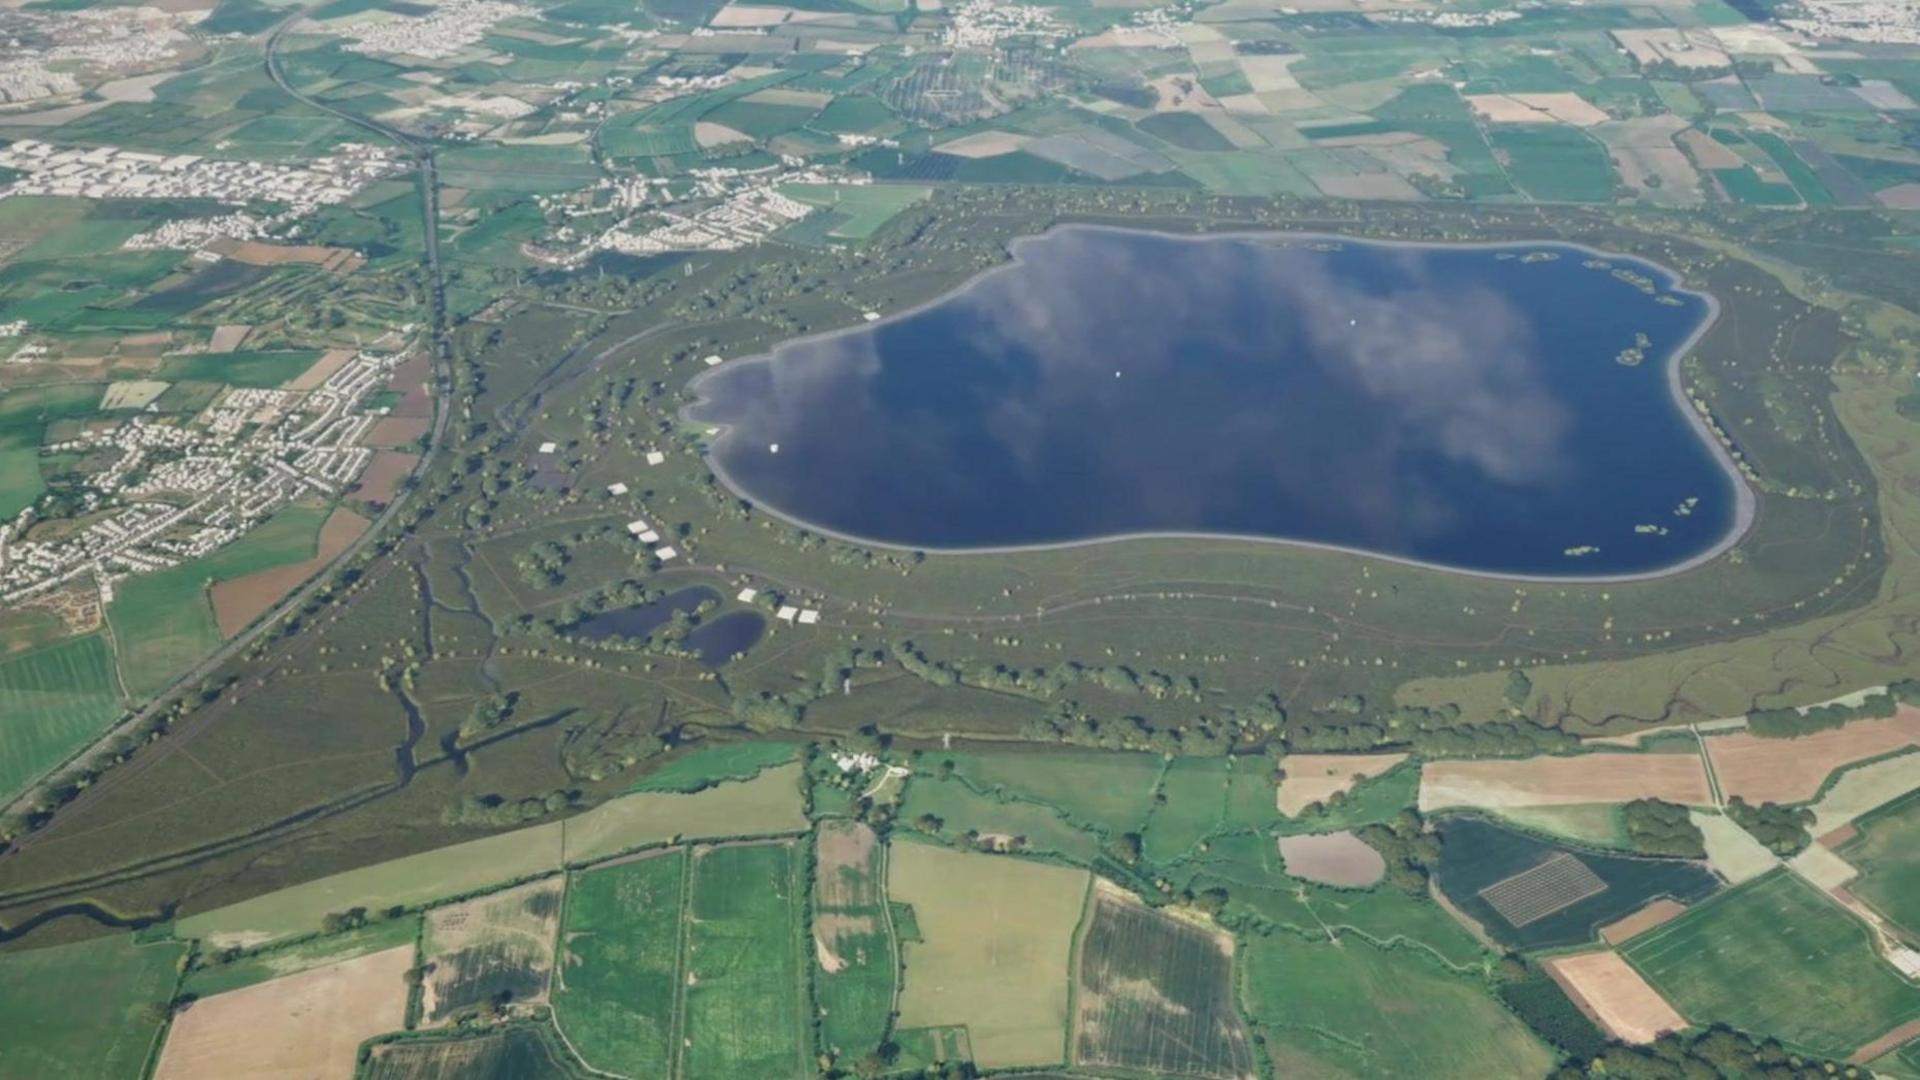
{"type": "Point", "coordinates": [1731, 850]}
{"type": "Point", "coordinates": [780, 95]}
{"type": "Point", "coordinates": [239, 601]}
{"type": "Point", "coordinates": [842, 853]}
{"type": "Point", "coordinates": [984, 144]}
{"type": "Point", "coordinates": [1655, 913]}
{"type": "Point", "coordinates": [383, 475]}
{"type": "Point", "coordinates": [1266, 73]}
{"type": "Point", "coordinates": [1615, 995]}
{"type": "Point", "coordinates": [1861, 789]}
{"type": "Point", "coordinates": [228, 336]}
{"type": "Point", "coordinates": [1313, 778]}
{"type": "Point", "coordinates": [132, 393]}
{"type": "Point", "coordinates": [996, 956]}
{"type": "Point", "coordinates": [1367, 186]}
{"type": "Point", "coordinates": [1339, 858]}
{"type": "Point", "coordinates": [520, 924]}
{"type": "Point", "coordinates": [744, 17]}
{"type": "Point", "coordinates": [303, 1027]}
{"type": "Point", "coordinates": [709, 134]}
{"type": "Point", "coordinates": [1563, 107]}
{"type": "Point", "coordinates": [1709, 152]}
{"type": "Point", "coordinates": [1562, 781]}
{"type": "Point", "coordinates": [311, 379]}
{"type": "Point", "coordinates": [396, 431]}
{"type": "Point", "coordinates": [1819, 865]}
{"type": "Point", "coordinates": [1792, 770]}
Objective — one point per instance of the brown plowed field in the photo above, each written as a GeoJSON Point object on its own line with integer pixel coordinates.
{"type": "Point", "coordinates": [241, 600]}
{"type": "Point", "coordinates": [1655, 913]}
{"type": "Point", "coordinates": [383, 475]}
{"type": "Point", "coordinates": [308, 1025]}
{"type": "Point", "coordinates": [1615, 995]}
{"type": "Point", "coordinates": [1792, 770]}
{"type": "Point", "coordinates": [1565, 781]}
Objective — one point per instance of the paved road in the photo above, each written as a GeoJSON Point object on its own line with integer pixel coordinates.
{"type": "Point", "coordinates": [422, 155]}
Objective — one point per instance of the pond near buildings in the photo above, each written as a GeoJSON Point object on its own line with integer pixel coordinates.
{"type": "Point", "coordinates": [1503, 409]}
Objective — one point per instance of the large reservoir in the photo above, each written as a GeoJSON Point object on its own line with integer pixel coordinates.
{"type": "Point", "coordinates": [1501, 409]}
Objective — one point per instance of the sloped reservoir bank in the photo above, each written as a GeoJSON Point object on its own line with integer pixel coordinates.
{"type": "Point", "coordinates": [1507, 409]}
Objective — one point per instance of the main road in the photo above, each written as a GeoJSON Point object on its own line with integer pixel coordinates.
{"type": "Point", "coordinates": [442, 353]}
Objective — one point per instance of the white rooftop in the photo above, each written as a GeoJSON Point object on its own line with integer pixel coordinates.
{"type": "Point", "coordinates": [666, 553]}
{"type": "Point", "coordinates": [655, 457]}
{"type": "Point", "coordinates": [616, 489]}
{"type": "Point", "coordinates": [746, 595]}
{"type": "Point", "coordinates": [809, 617]}
{"type": "Point", "coordinates": [786, 613]}
{"type": "Point", "coordinates": [548, 448]}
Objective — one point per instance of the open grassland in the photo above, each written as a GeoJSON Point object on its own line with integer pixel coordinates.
{"type": "Point", "coordinates": [706, 766]}
{"type": "Point", "coordinates": [1776, 956]}
{"type": "Point", "coordinates": [858, 212]}
{"type": "Point", "coordinates": [493, 948]}
{"type": "Point", "coordinates": [855, 962]}
{"type": "Point", "coordinates": [769, 803]}
{"type": "Point", "coordinates": [81, 1011]}
{"type": "Point", "coordinates": [616, 994]}
{"type": "Point", "coordinates": [1887, 853]}
{"type": "Point", "coordinates": [53, 700]}
{"type": "Point", "coordinates": [1155, 993]}
{"type": "Point", "coordinates": [530, 1052]}
{"type": "Point", "coordinates": [1350, 1008]}
{"type": "Point", "coordinates": [310, 1024]}
{"type": "Point", "coordinates": [961, 809]}
{"type": "Point", "coordinates": [1532, 893]}
{"type": "Point", "coordinates": [1113, 792]}
{"type": "Point", "coordinates": [1564, 781]}
{"type": "Point", "coordinates": [214, 977]}
{"type": "Point", "coordinates": [996, 935]}
{"type": "Point", "coordinates": [1794, 770]}
{"type": "Point", "coordinates": [746, 996]}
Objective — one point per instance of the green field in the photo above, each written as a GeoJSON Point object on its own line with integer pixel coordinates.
{"type": "Point", "coordinates": [855, 961]}
{"type": "Point", "coordinates": [746, 999]}
{"type": "Point", "coordinates": [82, 1010]}
{"type": "Point", "coordinates": [615, 995]}
{"type": "Point", "coordinates": [218, 978]}
{"type": "Point", "coordinates": [997, 932]}
{"type": "Point", "coordinates": [1351, 1008]}
{"type": "Point", "coordinates": [708, 765]}
{"type": "Point", "coordinates": [1887, 852]}
{"type": "Point", "coordinates": [865, 208]}
{"type": "Point", "coordinates": [962, 810]}
{"type": "Point", "coordinates": [1776, 956]}
{"type": "Point", "coordinates": [24, 416]}
{"type": "Point", "coordinates": [1111, 792]}
{"type": "Point", "coordinates": [1554, 163]}
{"type": "Point", "coordinates": [249, 369]}
{"type": "Point", "coordinates": [53, 700]}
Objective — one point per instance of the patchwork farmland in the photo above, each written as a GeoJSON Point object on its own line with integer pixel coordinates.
{"type": "Point", "coordinates": [493, 949]}
{"type": "Point", "coordinates": [745, 997]}
{"type": "Point", "coordinates": [855, 962]}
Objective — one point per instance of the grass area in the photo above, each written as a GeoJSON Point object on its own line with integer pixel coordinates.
{"type": "Point", "coordinates": [854, 956]}
{"type": "Point", "coordinates": [746, 998]}
{"type": "Point", "coordinates": [1887, 852]}
{"type": "Point", "coordinates": [1368, 802]}
{"type": "Point", "coordinates": [24, 416]}
{"type": "Point", "coordinates": [81, 1010]}
{"type": "Point", "coordinates": [1554, 163]}
{"type": "Point", "coordinates": [962, 810]}
{"type": "Point", "coordinates": [997, 935]}
{"type": "Point", "coordinates": [1776, 956]}
{"type": "Point", "coordinates": [1351, 1008]}
{"type": "Point", "coordinates": [709, 765]}
{"type": "Point", "coordinates": [616, 993]}
{"type": "Point", "coordinates": [1113, 792]}
{"type": "Point", "coordinates": [53, 700]}
{"type": "Point", "coordinates": [264, 370]}
{"type": "Point", "coordinates": [866, 207]}
{"type": "Point", "coordinates": [768, 803]}
{"type": "Point", "coordinates": [218, 978]}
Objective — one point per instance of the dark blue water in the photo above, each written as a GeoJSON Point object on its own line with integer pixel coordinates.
{"type": "Point", "coordinates": [1457, 405]}
{"type": "Point", "coordinates": [715, 640]}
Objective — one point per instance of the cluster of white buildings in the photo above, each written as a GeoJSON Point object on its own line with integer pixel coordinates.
{"type": "Point", "coordinates": [107, 172]}
{"type": "Point", "coordinates": [746, 207]}
{"type": "Point", "coordinates": [177, 491]}
{"type": "Point", "coordinates": [191, 234]}
{"type": "Point", "coordinates": [442, 33]}
{"type": "Point", "coordinates": [102, 41]}
{"type": "Point", "coordinates": [982, 23]}
{"type": "Point", "coordinates": [1887, 22]}
{"type": "Point", "coordinates": [1449, 20]}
